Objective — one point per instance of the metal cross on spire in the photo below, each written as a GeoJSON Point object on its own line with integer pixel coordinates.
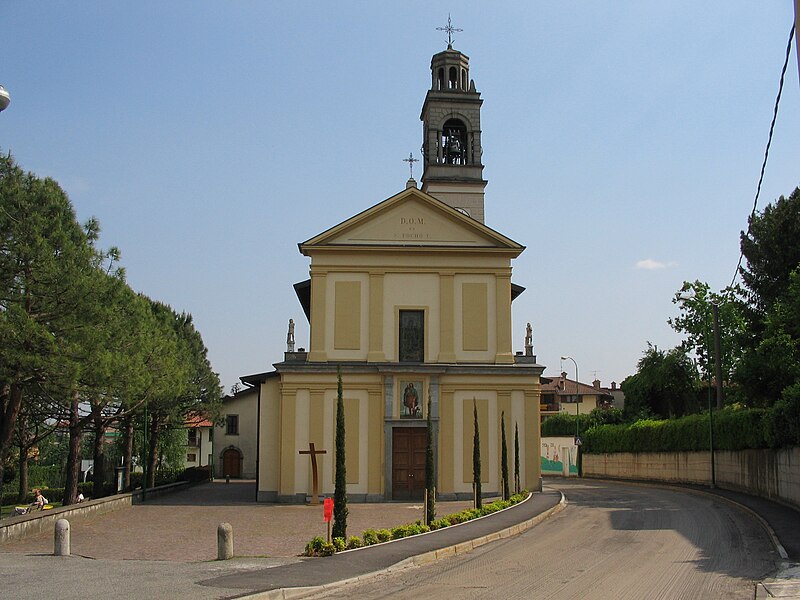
{"type": "Point", "coordinates": [450, 31]}
{"type": "Point", "coordinates": [410, 160]}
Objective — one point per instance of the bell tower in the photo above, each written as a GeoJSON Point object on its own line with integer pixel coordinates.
{"type": "Point", "coordinates": [451, 145]}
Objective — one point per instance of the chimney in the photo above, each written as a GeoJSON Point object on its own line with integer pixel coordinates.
{"type": "Point", "coordinates": [596, 384]}
{"type": "Point", "coordinates": [613, 385]}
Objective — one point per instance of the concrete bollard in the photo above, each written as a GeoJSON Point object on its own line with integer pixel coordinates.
{"type": "Point", "coordinates": [224, 541]}
{"type": "Point", "coordinates": [61, 538]}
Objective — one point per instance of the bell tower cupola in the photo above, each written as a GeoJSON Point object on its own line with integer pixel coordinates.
{"type": "Point", "coordinates": [451, 123]}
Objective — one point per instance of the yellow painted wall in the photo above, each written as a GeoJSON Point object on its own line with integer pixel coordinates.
{"type": "Point", "coordinates": [314, 420]}
{"type": "Point", "coordinates": [347, 315]}
{"type": "Point", "coordinates": [402, 291]}
{"type": "Point", "coordinates": [288, 444]}
{"type": "Point", "coordinates": [475, 320]}
{"type": "Point", "coordinates": [475, 317]}
{"type": "Point", "coordinates": [467, 440]}
{"type": "Point", "coordinates": [585, 406]}
{"type": "Point", "coordinates": [374, 441]}
{"type": "Point", "coordinates": [270, 451]}
{"type": "Point", "coordinates": [504, 410]}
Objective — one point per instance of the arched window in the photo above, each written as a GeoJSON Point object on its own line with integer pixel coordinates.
{"type": "Point", "coordinates": [464, 79]}
{"type": "Point", "coordinates": [454, 142]}
{"type": "Point", "coordinates": [440, 79]}
{"type": "Point", "coordinates": [452, 78]}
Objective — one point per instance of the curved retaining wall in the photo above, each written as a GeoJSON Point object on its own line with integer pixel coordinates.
{"type": "Point", "coordinates": [17, 528]}
{"type": "Point", "coordinates": [773, 474]}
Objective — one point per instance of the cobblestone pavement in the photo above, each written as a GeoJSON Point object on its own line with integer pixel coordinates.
{"type": "Point", "coordinates": [183, 526]}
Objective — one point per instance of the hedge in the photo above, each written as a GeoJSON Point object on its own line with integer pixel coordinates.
{"type": "Point", "coordinates": [734, 429]}
{"type": "Point", "coordinates": [563, 425]}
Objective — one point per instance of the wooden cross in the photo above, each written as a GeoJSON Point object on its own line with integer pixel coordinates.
{"type": "Point", "coordinates": [314, 474]}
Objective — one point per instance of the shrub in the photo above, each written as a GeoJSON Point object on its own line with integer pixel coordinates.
{"type": "Point", "coordinates": [781, 425]}
{"type": "Point", "coordinates": [560, 425]}
{"type": "Point", "coordinates": [384, 535]}
{"type": "Point", "coordinates": [319, 547]}
{"type": "Point", "coordinates": [354, 542]}
{"type": "Point", "coordinates": [314, 547]}
{"type": "Point", "coordinates": [370, 537]}
{"type": "Point", "coordinates": [400, 531]}
{"type": "Point", "coordinates": [195, 474]}
{"type": "Point", "coordinates": [339, 544]}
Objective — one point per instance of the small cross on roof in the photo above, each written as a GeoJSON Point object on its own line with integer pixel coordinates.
{"type": "Point", "coordinates": [450, 30]}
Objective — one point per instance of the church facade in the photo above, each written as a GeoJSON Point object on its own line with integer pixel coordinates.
{"type": "Point", "coordinates": [411, 301]}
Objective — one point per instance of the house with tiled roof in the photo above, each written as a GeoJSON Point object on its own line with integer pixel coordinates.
{"type": "Point", "coordinates": [564, 395]}
{"type": "Point", "coordinates": [199, 440]}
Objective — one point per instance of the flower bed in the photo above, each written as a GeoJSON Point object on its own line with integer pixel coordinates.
{"type": "Point", "coordinates": [319, 547]}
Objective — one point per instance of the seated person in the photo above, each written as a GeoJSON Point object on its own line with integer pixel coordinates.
{"type": "Point", "coordinates": [38, 503]}
{"type": "Point", "coordinates": [38, 500]}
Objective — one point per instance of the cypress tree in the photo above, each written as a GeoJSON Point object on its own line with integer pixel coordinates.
{"type": "Point", "coordinates": [516, 458]}
{"type": "Point", "coordinates": [504, 455]}
{"type": "Point", "coordinates": [476, 457]}
{"type": "Point", "coordinates": [340, 486]}
{"type": "Point", "coordinates": [430, 479]}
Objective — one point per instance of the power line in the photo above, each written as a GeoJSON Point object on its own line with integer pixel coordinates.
{"type": "Point", "coordinates": [769, 142]}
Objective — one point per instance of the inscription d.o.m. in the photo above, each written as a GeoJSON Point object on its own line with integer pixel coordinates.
{"type": "Point", "coordinates": [412, 221]}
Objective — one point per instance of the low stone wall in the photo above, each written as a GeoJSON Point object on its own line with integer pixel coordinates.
{"type": "Point", "coordinates": [17, 528]}
{"type": "Point", "coordinates": [773, 474]}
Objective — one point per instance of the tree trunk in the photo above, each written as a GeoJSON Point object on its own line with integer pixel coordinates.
{"type": "Point", "coordinates": [74, 456]}
{"type": "Point", "coordinates": [10, 406]}
{"type": "Point", "coordinates": [22, 463]}
{"type": "Point", "coordinates": [23, 474]}
{"type": "Point", "coordinates": [2, 474]}
{"type": "Point", "coordinates": [152, 451]}
{"type": "Point", "coordinates": [99, 456]}
{"type": "Point", "coordinates": [127, 451]}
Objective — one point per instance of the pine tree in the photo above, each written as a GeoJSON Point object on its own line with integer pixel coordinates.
{"type": "Point", "coordinates": [430, 479]}
{"type": "Point", "coordinates": [476, 457]}
{"type": "Point", "coordinates": [340, 487]}
{"type": "Point", "coordinates": [504, 455]}
{"type": "Point", "coordinates": [516, 458]}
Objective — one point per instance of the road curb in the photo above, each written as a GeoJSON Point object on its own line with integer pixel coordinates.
{"type": "Point", "coordinates": [295, 593]}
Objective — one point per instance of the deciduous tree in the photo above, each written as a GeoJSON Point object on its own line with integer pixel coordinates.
{"type": "Point", "coordinates": [664, 383]}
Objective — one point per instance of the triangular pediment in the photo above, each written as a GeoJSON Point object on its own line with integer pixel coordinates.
{"type": "Point", "coordinates": [412, 218]}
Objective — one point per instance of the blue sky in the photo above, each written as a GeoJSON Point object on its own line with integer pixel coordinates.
{"type": "Point", "coordinates": [209, 138]}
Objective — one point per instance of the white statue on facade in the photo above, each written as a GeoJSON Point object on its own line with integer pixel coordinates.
{"type": "Point", "coordinates": [290, 337]}
{"type": "Point", "coordinates": [528, 340]}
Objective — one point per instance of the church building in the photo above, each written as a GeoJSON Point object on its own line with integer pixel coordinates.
{"type": "Point", "coordinates": [411, 300]}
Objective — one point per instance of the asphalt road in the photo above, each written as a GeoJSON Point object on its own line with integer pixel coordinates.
{"type": "Point", "coordinates": [613, 541]}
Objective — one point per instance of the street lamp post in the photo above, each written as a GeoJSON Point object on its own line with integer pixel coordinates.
{"type": "Point", "coordinates": [718, 361]}
{"type": "Point", "coordinates": [577, 414]}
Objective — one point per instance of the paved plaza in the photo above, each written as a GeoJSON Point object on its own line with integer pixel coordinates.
{"type": "Point", "coordinates": [183, 526]}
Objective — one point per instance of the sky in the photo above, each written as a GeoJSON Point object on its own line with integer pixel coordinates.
{"type": "Point", "coordinates": [622, 145]}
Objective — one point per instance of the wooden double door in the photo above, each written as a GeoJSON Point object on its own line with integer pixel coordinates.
{"type": "Point", "coordinates": [408, 463]}
{"type": "Point", "coordinates": [231, 463]}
